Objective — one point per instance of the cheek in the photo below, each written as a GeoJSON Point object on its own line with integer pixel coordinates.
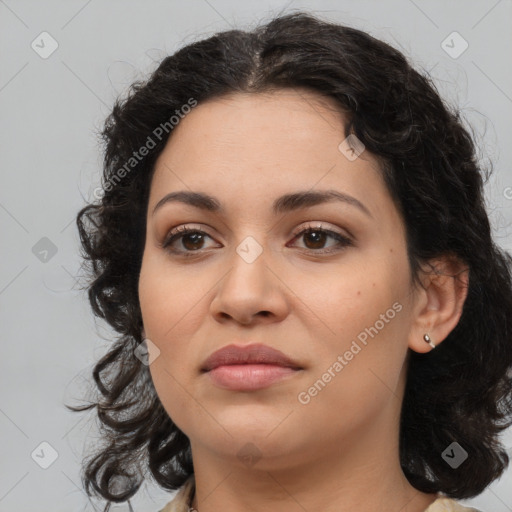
{"type": "Point", "coordinates": [363, 319]}
{"type": "Point", "coordinates": [165, 318]}
{"type": "Point", "coordinates": [167, 311]}
{"type": "Point", "coordinates": [169, 299]}
{"type": "Point", "coordinates": [349, 297]}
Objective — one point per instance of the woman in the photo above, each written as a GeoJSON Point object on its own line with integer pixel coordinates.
{"type": "Point", "coordinates": [292, 224]}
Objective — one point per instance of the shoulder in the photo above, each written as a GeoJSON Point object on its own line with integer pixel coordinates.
{"type": "Point", "coordinates": [443, 504]}
{"type": "Point", "coordinates": [180, 502]}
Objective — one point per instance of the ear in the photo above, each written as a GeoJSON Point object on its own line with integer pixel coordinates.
{"type": "Point", "coordinates": [439, 301]}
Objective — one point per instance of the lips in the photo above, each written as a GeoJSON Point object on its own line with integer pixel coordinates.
{"type": "Point", "coordinates": [249, 368]}
{"type": "Point", "coordinates": [248, 354]}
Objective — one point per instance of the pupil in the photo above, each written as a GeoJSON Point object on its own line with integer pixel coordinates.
{"type": "Point", "coordinates": [318, 239]}
{"type": "Point", "coordinates": [196, 236]}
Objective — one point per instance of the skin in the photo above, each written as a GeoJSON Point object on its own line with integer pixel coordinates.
{"type": "Point", "coordinates": [339, 452]}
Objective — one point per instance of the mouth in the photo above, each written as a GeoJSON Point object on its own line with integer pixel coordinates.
{"type": "Point", "coordinates": [249, 367]}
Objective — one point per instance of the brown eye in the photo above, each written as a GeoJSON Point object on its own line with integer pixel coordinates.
{"type": "Point", "coordinates": [191, 240]}
{"type": "Point", "coordinates": [315, 238]}
{"type": "Point", "coordinates": [186, 241]}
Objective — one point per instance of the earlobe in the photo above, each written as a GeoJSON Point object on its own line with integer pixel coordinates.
{"type": "Point", "coordinates": [440, 303]}
{"type": "Point", "coordinates": [426, 337]}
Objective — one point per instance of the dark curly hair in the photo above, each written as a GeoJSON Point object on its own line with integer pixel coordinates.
{"type": "Point", "coordinates": [461, 392]}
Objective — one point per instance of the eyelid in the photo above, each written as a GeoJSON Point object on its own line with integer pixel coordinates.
{"type": "Point", "coordinates": [311, 225]}
{"type": "Point", "coordinates": [297, 231]}
{"type": "Point", "coordinates": [343, 241]}
{"type": "Point", "coordinates": [183, 228]}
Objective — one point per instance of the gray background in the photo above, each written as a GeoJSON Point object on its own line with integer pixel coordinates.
{"type": "Point", "coordinates": [50, 163]}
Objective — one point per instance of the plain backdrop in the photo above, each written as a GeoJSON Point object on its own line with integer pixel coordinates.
{"type": "Point", "coordinates": [62, 65]}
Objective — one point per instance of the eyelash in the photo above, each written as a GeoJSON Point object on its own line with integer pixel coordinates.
{"type": "Point", "coordinates": [180, 232]}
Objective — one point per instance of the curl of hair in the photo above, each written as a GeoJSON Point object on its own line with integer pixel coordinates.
{"type": "Point", "coordinates": [462, 391]}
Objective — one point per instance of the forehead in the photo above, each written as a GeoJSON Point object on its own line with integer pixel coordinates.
{"type": "Point", "coordinates": [286, 115]}
{"type": "Point", "coordinates": [248, 145]}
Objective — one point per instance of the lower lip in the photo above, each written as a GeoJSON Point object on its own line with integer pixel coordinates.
{"type": "Point", "coordinates": [248, 377]}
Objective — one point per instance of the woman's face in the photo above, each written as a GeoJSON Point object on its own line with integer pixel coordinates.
{"type": "Point", "coordinates": [342, 309]}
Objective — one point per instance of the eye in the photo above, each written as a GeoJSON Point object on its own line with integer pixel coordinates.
{"type": "Point", "coordinates": [316, 237]}
{"type": "Point", "coordinates": [190, 239]}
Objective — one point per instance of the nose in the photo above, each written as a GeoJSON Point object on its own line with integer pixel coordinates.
{"type": "Point", "coordinates": [250, 292]}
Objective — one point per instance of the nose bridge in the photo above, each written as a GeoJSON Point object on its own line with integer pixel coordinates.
{"type": "Point", "coordinates": [250, 286]}
{"type": "Point", "coordinates": [249, 264]}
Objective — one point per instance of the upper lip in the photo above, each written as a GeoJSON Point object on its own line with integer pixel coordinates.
{"type": "Point", "coordinates": [246, 354]}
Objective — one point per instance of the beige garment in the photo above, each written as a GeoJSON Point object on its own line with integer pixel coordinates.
{"type": "Point", "coordinates": [181, 501]}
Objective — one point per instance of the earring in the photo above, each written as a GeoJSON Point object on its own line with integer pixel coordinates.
{"type": "Point", "coordinates": [426, 337]}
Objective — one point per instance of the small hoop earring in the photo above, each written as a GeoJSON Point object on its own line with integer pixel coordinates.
{"type": "Point", "coordinates": [426, 337]}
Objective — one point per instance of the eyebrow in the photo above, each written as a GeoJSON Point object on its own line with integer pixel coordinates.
{"type": "Point", "coordinates": [283, 204]}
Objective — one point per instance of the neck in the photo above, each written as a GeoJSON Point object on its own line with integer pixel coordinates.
{"type": "Point", "coordinates": [336, 481]}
